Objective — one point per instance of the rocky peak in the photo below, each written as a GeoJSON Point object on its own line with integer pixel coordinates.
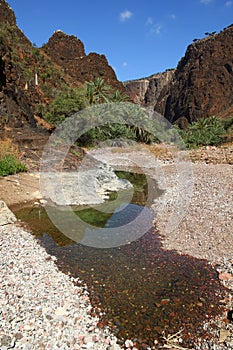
{"type": "Point", "coordinates": [6, 13]}
{"type": "Point", "coordinates": [68, 52]}
{"type": "Point", "coordinates": [202, 84]}
{"type": "Point", "coordinates": [64, 48]}
{"type": "Point", "coordinates": [31, 77]}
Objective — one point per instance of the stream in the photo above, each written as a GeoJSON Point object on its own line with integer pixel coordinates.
{"type": "Point", "coordinates": [141, 291]}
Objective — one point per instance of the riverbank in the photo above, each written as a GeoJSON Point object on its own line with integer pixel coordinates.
{"type": "Point", "coordinates": [40, 307]}
{"type": "Point", "coordinates": [36, 294]}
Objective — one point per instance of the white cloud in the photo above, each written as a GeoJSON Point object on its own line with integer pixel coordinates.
{"type": "Point", "coordinates": [156, 29]}
{"type": "Point", "coordinates": [149, 21]}
{"type": "Point", "coordinates": [172, 16]}
{"type": "Point", "coordinates": [206, 2]}
{"type": "Point", "coordinates": [125, 15]}
{"type": "Point", "coordinates": [124, 64]}
{"type": "Point", "coordinates": [228, 3]}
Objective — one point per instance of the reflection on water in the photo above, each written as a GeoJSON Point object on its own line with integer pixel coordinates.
{"type": "Point", "coordinates": [142, 289]}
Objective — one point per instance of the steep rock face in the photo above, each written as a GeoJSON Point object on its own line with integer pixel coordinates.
{"type": "Point", "coordinates": [69, 53]}
{"type": "Point", "coordinates": [156, 84]}
{"type": "Point", "coordinates": [6, 13]}
{"type": "Point", "coordinates": [202, 84]}
{"type": "Point", "coordinates": [136, 89]}
{"type": "Point", "coordinates": [14, 105]}
{"type": "Point", "coordinates": [147, 90]}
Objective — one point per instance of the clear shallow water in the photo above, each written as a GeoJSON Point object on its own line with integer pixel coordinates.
{"type": "Point", "coordinates": [142, 289]}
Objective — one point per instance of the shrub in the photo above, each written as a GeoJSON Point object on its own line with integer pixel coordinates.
{"type": "Point", "coordinates": [9, 165]}
{"type": "Point", "coordinates": [206, 131]}
{"type": "Point", "coordinates": [64, 105]}
{"type": "Point", "coordinates": [106, 132]}
{"type": "Point", "coordinates": [9, 159]}
{"type": "Point", "coordinates": [227, 123]}
{"type": "Point", "coordinates": [7, 147]}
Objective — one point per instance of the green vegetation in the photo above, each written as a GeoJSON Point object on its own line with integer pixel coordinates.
{"type": "Point", "coordinates": [207, 131]}
{"type": "Point", "coordinates": [9, 159]}
{"type": "Point", "coordinates": [64, 105]}
{"type": "Point", "coordinates": [9, 165]}
{"type": "Point", "coordinates": [93, 93]}
{"type": "Point", "coordinates": [72, 100]}
{"type": "Point", "coordinates": [227, 123]}
{"type": "Point", "coordinates": [27, 60]}
{"type": "Point", "coordinates": [105, 132]}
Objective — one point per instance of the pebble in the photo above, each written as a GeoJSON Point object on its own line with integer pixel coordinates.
{"type": "Point", "coordinates": [40, 307]}
{"type": "Point", "coordinates": [32, 299]}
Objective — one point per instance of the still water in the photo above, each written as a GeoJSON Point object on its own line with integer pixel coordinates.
{"type": "Point", "coordinates": [140, 290]}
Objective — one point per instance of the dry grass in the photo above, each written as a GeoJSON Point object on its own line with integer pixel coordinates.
{"type": "Point", "coordinates": [161, 150]}
{"type": "Point", "coordinates": [8, 147]}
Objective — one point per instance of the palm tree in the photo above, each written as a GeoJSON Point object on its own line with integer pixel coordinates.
{"type": "Point", "coordinates": [119, 96]}
{"type": "Point", "coordinates": [97, 91]}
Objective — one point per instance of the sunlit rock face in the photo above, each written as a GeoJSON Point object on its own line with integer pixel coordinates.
{"type": "Point", "coordinates": [146, 91]}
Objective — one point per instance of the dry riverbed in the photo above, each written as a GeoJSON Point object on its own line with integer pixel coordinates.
{"type": "Point", "coordinates": [41, 308]}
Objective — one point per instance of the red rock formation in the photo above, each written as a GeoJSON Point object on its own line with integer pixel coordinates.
{"type": "Point", "coordinates": [202, 84]}
{"type": "Point", "coordinates": [60, 63]}
{"type": "Point", "coordinates": [64, 49]}
{"type": "Point", "coordinates": [68, 52]}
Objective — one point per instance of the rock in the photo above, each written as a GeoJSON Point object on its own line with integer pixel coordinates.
{"type": "Point", "coordinates": [88, 186]}
{"type": "Point", "coordinates": [202, 84]}
{"type": "Point", "coordinates": [7, 14]}
{"type": "Point", "coordinates": [63, 57]}
{"type": "Point", "coordinates": [224, 334]}
{"type": "Point", "coordinates": [90, 345]}
{"type": "Point", "coordinates": [26, 303]}
{"type": "Point", "coordinates": [61, 312]}
{"type": "Point", "coordinates": [225, 276]}
{"type": "Point", "coordinates": [146, 91]}
{"type": "Point", "coordinates": [114, 346]}
{"type": "Point", "coordinates": [6, 215]}
{"type": "Point", "coordinates": [68, 52]}
{"type": "Point", "coordinates": [5, 340]}
{"type": "Point", "coordinates": [128, 343]}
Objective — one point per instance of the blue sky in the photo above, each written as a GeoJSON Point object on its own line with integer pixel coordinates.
{"type": "Point", "coordinates": [138, 37]}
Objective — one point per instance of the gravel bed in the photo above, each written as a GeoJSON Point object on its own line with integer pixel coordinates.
{"type": "Point", "coordinates": [194, 216]}
{"type": "Point", "coordinates": [40, 307]}
{"type": "Point", "coordinates": [203, 229]}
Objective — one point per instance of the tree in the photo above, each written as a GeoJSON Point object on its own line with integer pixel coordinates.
{"type": "Point", "coordinates": [118, 96]}
{"type": "Point", "coordinates": [97, 91]}
{"type": "Point", "coordinates": [65, 104]}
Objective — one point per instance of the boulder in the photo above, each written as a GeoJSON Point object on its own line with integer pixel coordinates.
{"type": "Point", "coordinates": [6, 215]}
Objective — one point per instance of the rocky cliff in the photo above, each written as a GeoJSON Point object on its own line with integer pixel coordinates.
{"type": "Point", "coordinates": [202, 84]}
{"type": "Point", "coordinates": [31, 77]}
{"type": "Point", "coordinates": [68, 52]}
{"type": "Point", "coordinates": [14, 104]}
{"type": "Point", "coordinates": [6, 13]}
{"type": "Point", "coordinates": [146, 91]}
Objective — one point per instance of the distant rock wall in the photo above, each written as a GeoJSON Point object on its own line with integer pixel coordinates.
{"type": "Point", "coordinates": [146, 91]}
